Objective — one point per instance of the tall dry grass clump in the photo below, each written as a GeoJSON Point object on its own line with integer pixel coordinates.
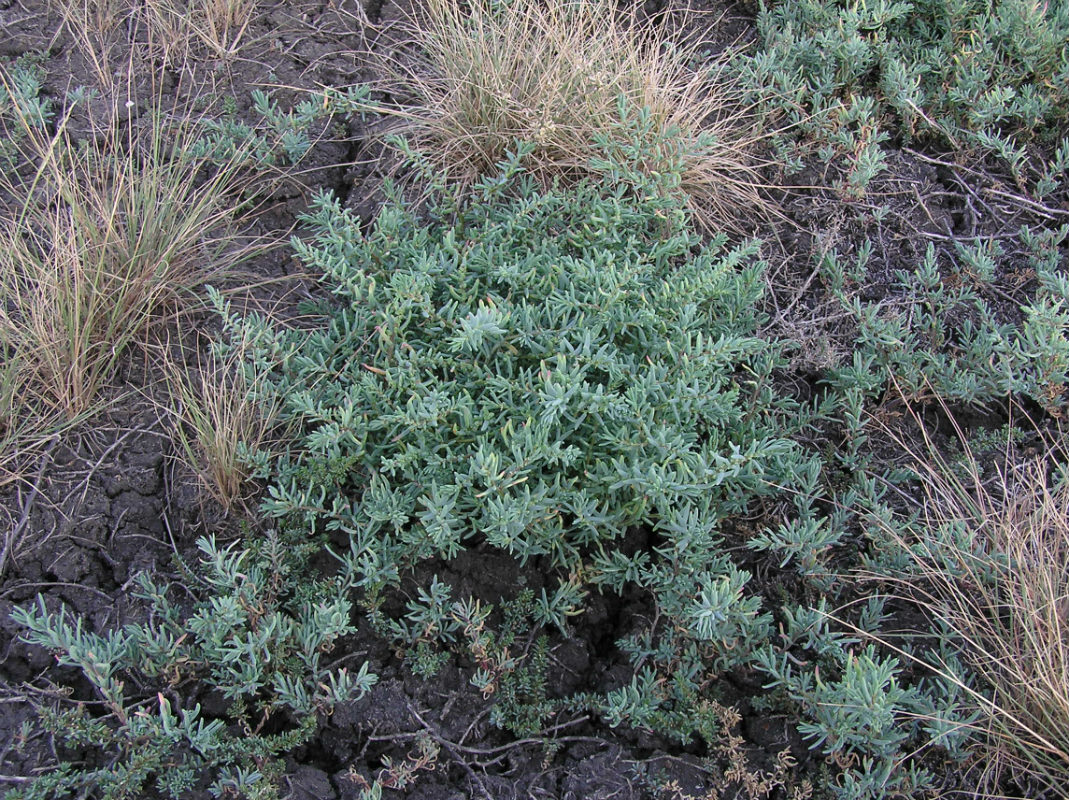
{"type": "Point", "coordinates": [560, 75]}
{"type": "Point", "coordinates": [99, 241]}
{"type": "Point", "coordinates": [990, 559]}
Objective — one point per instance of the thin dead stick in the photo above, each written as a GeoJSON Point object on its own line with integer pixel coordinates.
{"type": "Point", "coordinates": [57, 584]}
{"type": "Point", "coordinates": [1029, 203]}
{"type": "Point", "coordinates": [503, 748]}
{"type": "Point", "coordinates": [782, 316]}
{"type": "Point", "coordinates": [1017, 198]}
{"type": "Point", "coordinates": [27, 507]}
{"type": "Point", "coordinates": [92, 470]}
{"type": "Point", "coordinates": [475, 779]}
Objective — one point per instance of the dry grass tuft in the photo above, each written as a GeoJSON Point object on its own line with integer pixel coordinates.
{"type": "Point", "coordinates": [991, 561]}
{"type": "Point", "coordinates": [98, 243]}
{"type": "Point", "coordinates": [176, 33]}
{"type": "Point", "coordinates": [197, 28]}
{"type": "Point", "coordinates": [219, 418]}
{"type": "Point", "coordinates": [94, 27]}
{"type": "Point", "coordinates": [554, 74]}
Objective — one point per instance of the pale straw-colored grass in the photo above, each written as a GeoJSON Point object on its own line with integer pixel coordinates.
{"type": "Point", "coordinates": [111, 33]}
{"type": "Point", "coordinates": [100, 241]}
{"type": "Point", "coordinates": [559, 75]}
{"type": "Point", "coordinates": [217, 415]}
{"type": "Point", "coordinates": [212, 29]}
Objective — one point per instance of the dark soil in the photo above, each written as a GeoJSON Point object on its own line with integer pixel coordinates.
{"type": "Point", "coordinates": [111, 499]}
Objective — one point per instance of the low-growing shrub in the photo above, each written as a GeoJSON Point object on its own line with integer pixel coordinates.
{"type": "Point", "coordinates": [950, 334]}
{"type": "Point", "coordinates": [257, 637]}
{"type": "Point", "coordinates": [536, 372]}
{"type": "Point", "coordinates": [277, 137]}
{"type": "Point", "coordinates": [545, 373]}
{"type": "Point", "coordinates": [856, 706]}
{"type": "Point", "coordinates": [969, 73]}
